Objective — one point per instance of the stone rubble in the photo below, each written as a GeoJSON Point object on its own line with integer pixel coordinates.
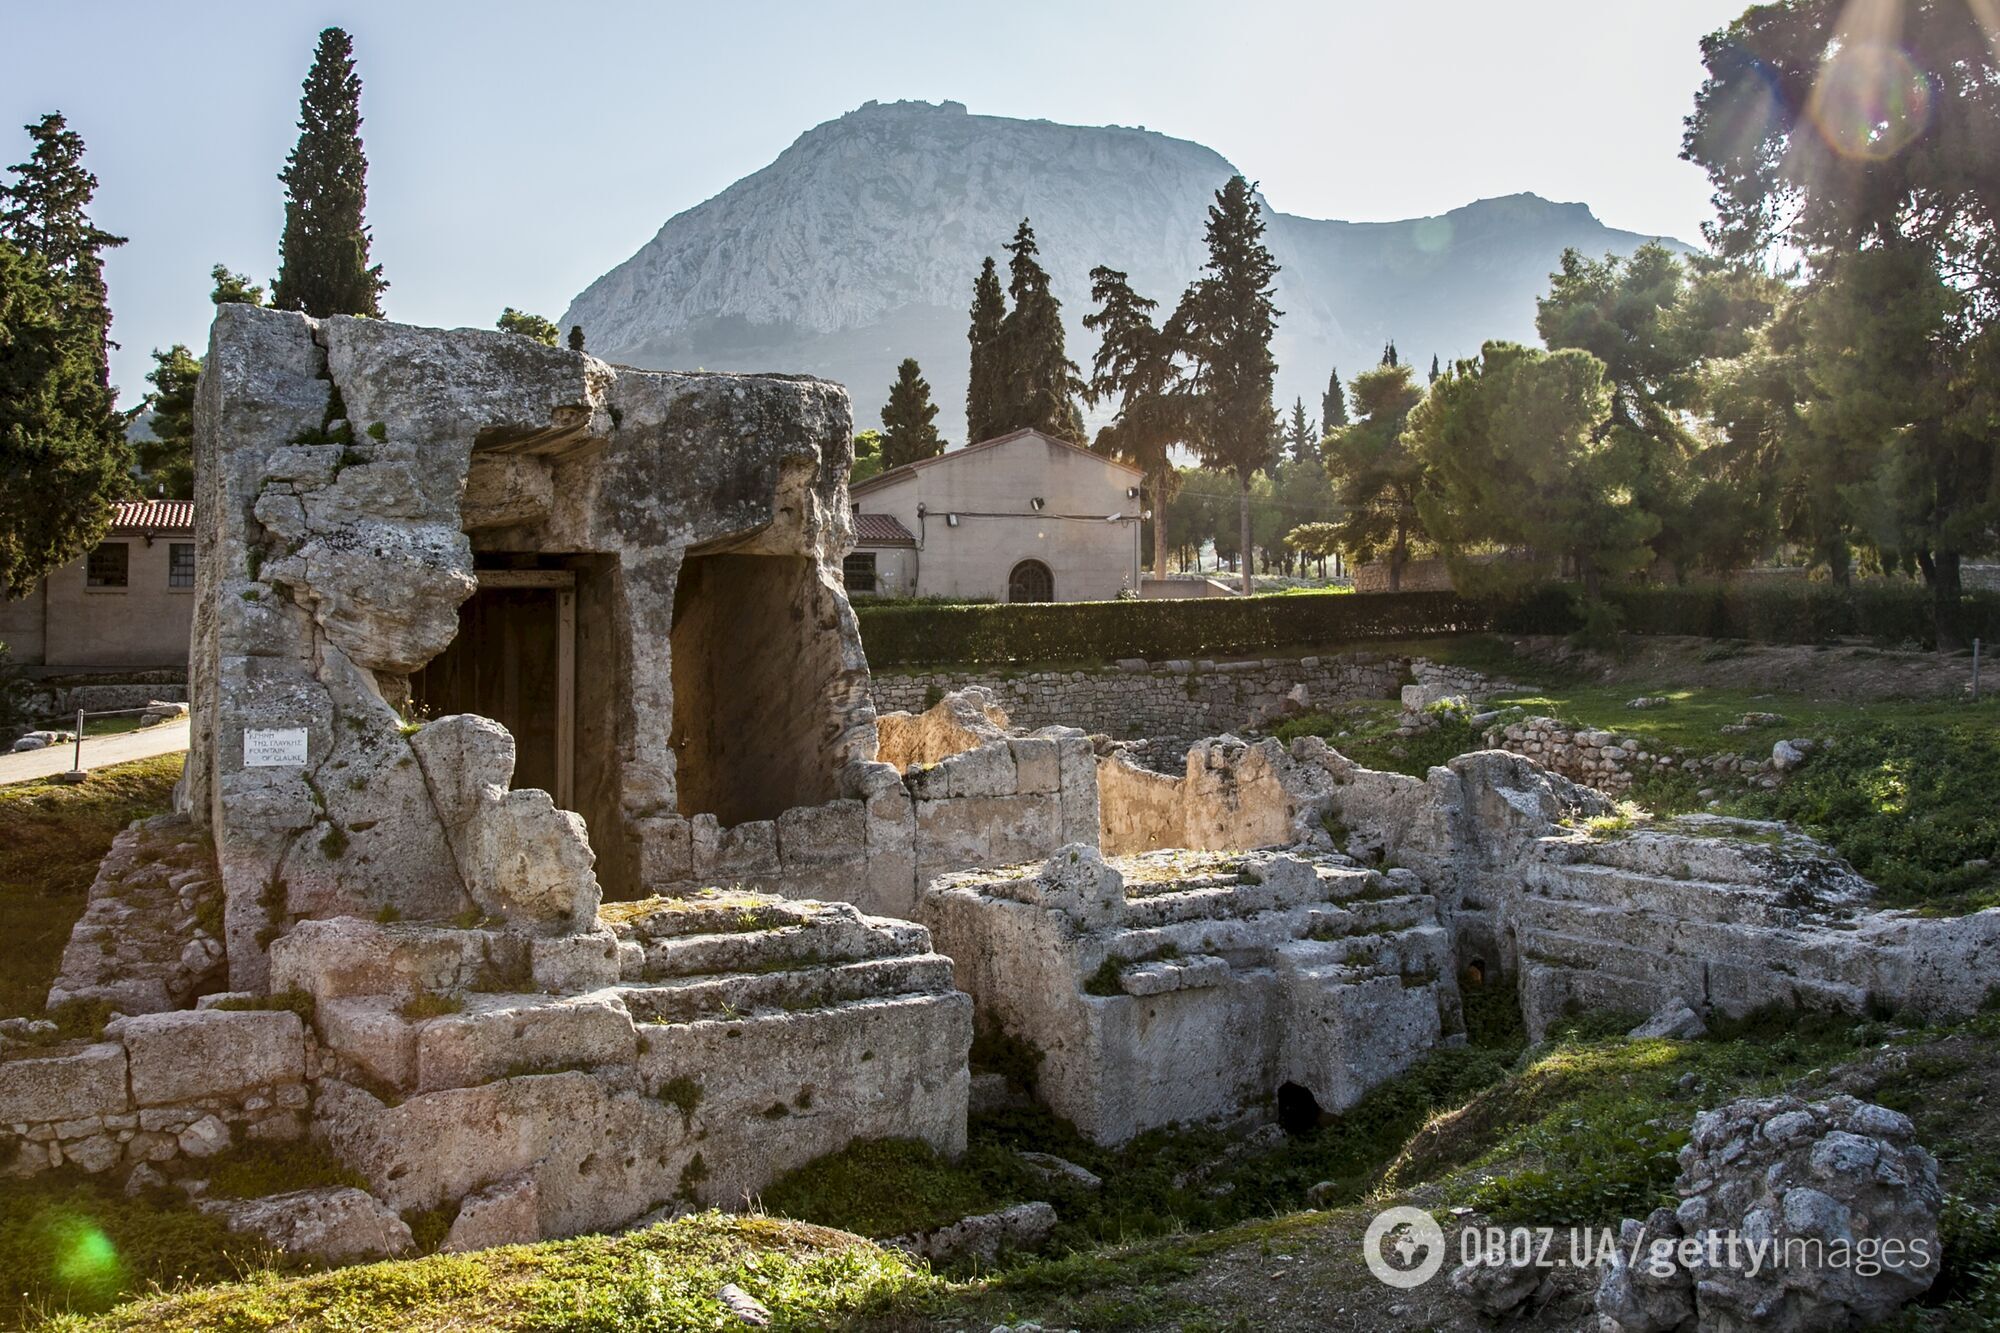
{"type": "Point", "coordinates": [150, 935]}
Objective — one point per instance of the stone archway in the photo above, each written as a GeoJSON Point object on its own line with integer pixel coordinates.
{"type": "Point", "coordinates": [1031, 581]}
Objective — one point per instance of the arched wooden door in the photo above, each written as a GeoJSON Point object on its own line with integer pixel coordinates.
{"type": "Point", "coordinates": [1031, 581]}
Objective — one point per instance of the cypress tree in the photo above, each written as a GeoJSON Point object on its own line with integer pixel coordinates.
{"type": "Point", "coordinates": [984, 388]}
{"type": "Point", "coordinates": [63, 456]}
{"type": "Point", "coordinates": [1435, 371]}
{"type": "Point", "coordinates": [576, 337]}
{"type": "Point", "coordinates": [323, 266]}
{"type": "Point", "coordinates": [1224, 326]}
{"type": "Point", "coordinates": [1332, 404]}
{"type": "Point", "coordinates": [907, 432]}
{"type": "Point", "coordinates": [1041, 380]}
{"type": "Point", "coordinates": [1389, 357]}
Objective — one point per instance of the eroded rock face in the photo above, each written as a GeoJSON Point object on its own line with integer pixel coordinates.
{"type": "Point", "coordinates": [1795, 1216]}
{"type": "Point", "coordinates": [340, 1224]}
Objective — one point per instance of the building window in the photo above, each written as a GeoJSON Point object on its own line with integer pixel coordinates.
{"type": "Point", "coordinates": [1031, 582]}
{"type": "Point", "coordinates": [108, 566]}
{"type": "Point", "coordinates": [858, 572]}
{"type": "Point", "coordinates": [180, 565]}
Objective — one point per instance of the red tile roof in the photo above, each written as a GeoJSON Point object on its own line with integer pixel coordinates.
{"type": "Point", "coordinates": [139, 516]}
{"type": "Point", "coordinates": [953, 455]}
{"type": "Point", "coordinates": [882, 530]}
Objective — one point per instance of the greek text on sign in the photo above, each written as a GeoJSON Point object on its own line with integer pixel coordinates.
{"type": "Point", "coordinates": [277, 747]}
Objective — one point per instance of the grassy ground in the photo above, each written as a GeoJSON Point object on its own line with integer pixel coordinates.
{"type": "Point", "coordinates": [51, 839]}
{"type": "Point", "coordinates": [1581, 1129]}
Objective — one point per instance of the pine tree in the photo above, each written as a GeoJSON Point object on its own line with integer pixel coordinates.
{"type": "Point", "coordinates": [234, 288]}
{"type": "Point", "coordinates": [63, 456]}
{"type": "Point", "coordinates": [1041, 380]}
{"type": "Point", "coordinates": [1224, 325]}
{"type": "Point", "coordinates": [1137, 364]}
{"type": "Point", "coordinates": [1332, 404]}
{"type": "Point", "coordinates": [985, 387]}
{"type": "Point", "coordinates": [576, 337]}
{"type": "Point", "coordinates": [323, 266]}
{"type": "Point", "coordinates": [166, 462]}
{"type": "Point", "coordinates": [907, 432]}
{"type": "Point", "coordinates": [527, 325]}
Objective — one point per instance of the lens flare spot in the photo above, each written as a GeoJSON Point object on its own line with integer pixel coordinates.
{"type": "Point", "coordinates": [1433, 235]}
{"type": "Point", "coordinates": [87, 1256]}
{"type": "Point", "coordinates": [1871, 101]}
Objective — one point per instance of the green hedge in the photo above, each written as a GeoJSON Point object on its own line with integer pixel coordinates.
{"type": "Point", "coordinates": [1792, 611]}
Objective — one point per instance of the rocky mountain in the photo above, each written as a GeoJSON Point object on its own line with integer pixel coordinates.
{"type": "Point", "coordinates": [858, 245]}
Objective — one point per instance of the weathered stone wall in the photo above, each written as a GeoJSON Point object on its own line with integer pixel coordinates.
{"type": "Point", "coordinates": [1181, 987]}
{"type": "Point", "coordinates": [1173, 704]}
{"type": "Point", "coordinates": [150, 938]}
{"type": "Point", "coordinates": [1611, 762]}
{"type": "Point", "coordinates": [157, 1088]}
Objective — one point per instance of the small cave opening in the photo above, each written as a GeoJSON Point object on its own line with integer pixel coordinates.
{"type": "Point", "coordinates": [754, 730]}
{"type": "Point", "coordinates": [1298, 1109]}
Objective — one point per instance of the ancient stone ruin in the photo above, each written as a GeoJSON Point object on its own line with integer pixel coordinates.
{"type": "Point", "coordinates": [542, 852]}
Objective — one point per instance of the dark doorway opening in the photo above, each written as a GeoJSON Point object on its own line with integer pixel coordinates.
{"type": "Point", "coordinates": [1031, 581]}
{"type": "Point", "coordinates": [514, 661]}
{"type": "Point", "coordinates": [1298, 1109]}
{"type": "Point", "coordinates": [753, 662]}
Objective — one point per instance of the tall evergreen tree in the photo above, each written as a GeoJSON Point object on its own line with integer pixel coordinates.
{"type": "Point", "coordinates": [1376, 477]}
{"type": "Point", "coordinates": [1041, 381]}
{"type": "Point", "coordinates": [907, 432]}
{"type": "Point", "coordinates": [234, 288]}
{"type": "Point", "coordinates": [576, 337]}
{"type": "Point", "coordinates": [1332, 403]}
{"type": "Point", "coordinates": [1389, 357]}
{"type": "Point", "coordinates": [985, 388]}
{"type": "Point", "coordinates": [323, 266]}
{"type": "Point", "coordinates": [1224, 325]}
{"type": "Point", "coordinates": [1136, 363]}
{"type": "Point", "coordinates": [63, 456]}
{"type": "Point", "coordinates": [1436, 370]}
{"type": "Point", "coordinates": [1302, 434]}
{"type": "Point", "coordinates": [166, 462]}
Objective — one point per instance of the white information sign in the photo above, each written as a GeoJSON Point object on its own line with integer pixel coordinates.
{"type": "Point", "coordinates": [279, 747]}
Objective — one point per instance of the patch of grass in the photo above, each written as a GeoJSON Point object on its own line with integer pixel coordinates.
{"type": "Point", "coordinates": [1910, 804]}
{"type": "Point", "coordinates": [297, 1001]}
{"type": "Point", "coordinates": [254, 1170]}
{"type": "Point", "coordinates": [71, 1242]}
{"type": "Point", "coordinates": [666, 1277]}
{"type": "Point", "coordinates": [682, 1093]}
{"type": "Point", "coordinates": [51, 838]}
{"type": "Point", "coordinates": [430, 1226]}
{"type": "Point", "coordinates": [430, 1004]}
{"type": "Point", "coordinates": [887, 1187]}
{"type": "Point", "coordinates": [1104, 981]}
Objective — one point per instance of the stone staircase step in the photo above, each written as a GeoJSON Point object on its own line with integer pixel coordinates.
{"type": "Point", "coordinates": [690, 999]}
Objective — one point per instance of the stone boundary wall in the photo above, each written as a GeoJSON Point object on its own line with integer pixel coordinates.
{"type": "Point", "coordinates": [1173, 704]}
{"type": "Point", "coordinates": [48, 704]}
{"type": "Point", "coordinates": [155, 1088]}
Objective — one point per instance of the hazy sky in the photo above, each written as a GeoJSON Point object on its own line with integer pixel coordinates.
{"type": "Point", "coordinates": [518, 150]}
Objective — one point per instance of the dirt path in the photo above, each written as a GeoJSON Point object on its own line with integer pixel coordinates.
{"type": "Point", "coordinates": [98, 752]}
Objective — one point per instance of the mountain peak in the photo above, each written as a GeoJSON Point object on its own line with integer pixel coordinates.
{"type": "Point", "coordinates": [858, 244]}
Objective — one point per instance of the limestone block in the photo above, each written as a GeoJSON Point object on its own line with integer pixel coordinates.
{"type": "Point", "coordinates": [983, 1239]}
{"type": "Point", "coordinates": [817, 835]}
{"type": "Point", "coordinates": [369, 1031]}
{"type": "Point", "coordinates": [666, 850]}
{"type": "Point", "coordinates": [1037, 765]}
{"type": "Point", "coordinates": [98, 1153]}
{"type": "Point", "coordinates": [199, 1053]}
{"type": "Point", "coordinates": [986, 770]}
{"type": "Point", "coordinates": [502, 490]}
{"type": "Point", "coordinates": [507, 1212]}
{"type": "Point", "coordinates": [1077, 881]}
{"type": "Point", "coordinates": [64, 1087]}
{"type": "Point", "coordinates": [532, 865]}
{"type": "Point", "coordinates": [988, 830]}
{"type": "Point", "coordinates": [205, 1137]}
{"type": "Point", "coordinates": [568, 964]}
{"type": "Point", "coordinates": [498, 1034]}
{"type": "Point", "coordinates": [730, 855]}
{"type": "Point", "coordinates": [347, 956]}
{"type": "Point", "coordinates": [338, 1224]}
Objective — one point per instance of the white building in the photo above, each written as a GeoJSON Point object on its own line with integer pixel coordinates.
{"type": "Point", "coordinates": [1023, 517]}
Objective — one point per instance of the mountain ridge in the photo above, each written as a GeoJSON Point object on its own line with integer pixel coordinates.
{"type": "Point", "coordinates": [857, 245]}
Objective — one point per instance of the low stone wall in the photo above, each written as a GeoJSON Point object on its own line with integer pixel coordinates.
{"type": "Point", "coordinates": [1611, 762]}
{"type": "Point", "coordinates": [156, 1088]}
{"type": "Point", "coordinates": [1171, 703]}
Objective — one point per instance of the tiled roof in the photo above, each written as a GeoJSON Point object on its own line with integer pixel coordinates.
{"type": "Point", "coordinates": [953, 455]}
{"type": "Point", "coordinates": [882, 530]}
{"type": "Point", "coordinates": [153, 516]}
